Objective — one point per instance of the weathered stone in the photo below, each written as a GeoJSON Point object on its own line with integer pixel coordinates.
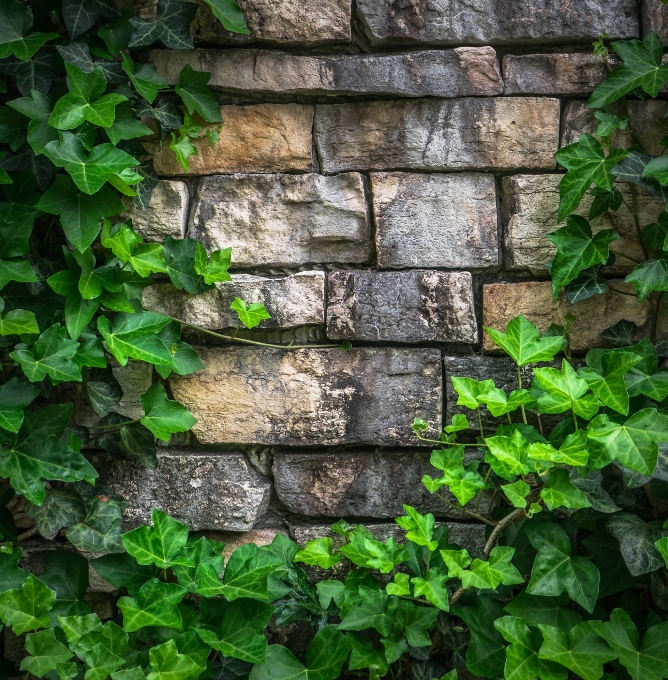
{"type": "Point", "coordinates": [462, 72]}
{"type": "Point", "coordinates": [447, 22]}
{"type": "Point", "coordinates": [654, 18]}
{"type": "Point", "coordinates": [311, 396]}
{"type": "Point", "coordinates": [435, 220]}
{"type": "Point", "coordinates": [203, 490]}
{"type": "Point", "coordinates": [438, 134]}
{"type": "Point", "coordinates": [356, 484]}
{"type": "Point", "coordinates": [166, 215]}
{"type": "Point", "coordinates": [257, 138]}
{"type": "Point", "coordinates": [504, 301]}
{"type": "Point", "coordinates": [646, 119]}
{"type": "Point", "coordinates": [410, 306]}
{"type": "Point", "coordinates": [306, 22]}
{"type": "Point", "coordinates": [283, 220]}
{"type": "Point", "coordinates": [295, 300]}
{"type": "Point", "coordinates": [529, 208]}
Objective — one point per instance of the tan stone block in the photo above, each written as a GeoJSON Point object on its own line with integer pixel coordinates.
{"type": "Point", "coordinates": [654, 18]}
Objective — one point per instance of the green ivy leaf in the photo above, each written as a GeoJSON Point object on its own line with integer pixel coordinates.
{"type": "Point", "coordinates": [168, 664]}
{"type": "Point", "coordinates": [171, 26]}
{"type": "Point", "coordinates": [14, 397]}
{"type": "Point", "coordinates": [632, 169]}
{"type": "Point", "coordinates": [145, 78]}
{"type": "Point", "coordinates": [51, 355]}
{"type": "Point", "coordinates": [371, 612]}
{"type": "Point", "coordinates": [67, 575]}
{"type": "Point", "coordinates": [535, 610]}
{"type": "Point", "coordinates": [186, 262]}
{"type": "Point", "coordinates": [45, 653]}
{"type": "Point", "coordinates": [123, 571]}
{"type": "Point", "coordinates": [431, 587]}
{"type": "Point", "coordinates": [156, 605]}
{"type": "Point", "coordinates": [509, 456]}
{"type": "Point", "coordinates": [649, 276]}
{"type": "Point", "coordinates": [144, 259]}
{"type": "Point", "coordinates": [472, 393]}
{"type": "Point", "coordinates": [15, 22]}
{"type": "Point", "coordinates": [11, 577]}
{"type": "Point", "coordinates": [497, 570]}
{"type": "Point", "coordinates": [517, 493]}
{"type": "Point", "coordinates": [605, 376]}
{"type": "Point", "coordinates": [61, 508]}
{"type": "Point", "coordinates": [521, 341]}
{"type": "Point", "coordinates": [558, 492]}
{"type": "Point", "coordinates": [637, 542]}
{"type": "Point", "coordinates": [134, 336]}
{"type": "Point", "coordinates": [645, 377]}
{"type": "Point", "coordinates": [100, 530]}
{"type": "Point", "coordinates": [27, 608]}
{"type": "Point", "coordinates": [564, 391]}
{"type": "Point", "coordinates": [420, 528]}
{"type": "Point", "coordinates": [80, 15]}
{"type": "Point", "coordinates": [229, 14]}
{"type": "Point", "coordinates": [607, 124]}
{"type": "Point", "coordinates": [319, 552]}
{"type": "Point", "coordinates": [196, 96]}
{"type": "Point", "coordinates": [247, 571]}
{"type": "Point", "coordinates": [249, 315]}
{"type": "Point", "coordinates": [125, 126]}
{"type": "Point", "coordinates": [164, 416]}
{"type": "Point", "coordinates": [17, 322]}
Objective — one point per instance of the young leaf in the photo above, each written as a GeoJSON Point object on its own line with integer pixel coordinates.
{"type": "Point", "coordinates": [472, 393]}
{"type": "Point", "coordinates": [168, 664]}
{"type": "Point", "coordinates": [249, 315]}
{"type": "Point", "coordinates": [509, 456]}
{"type": "Point", "coordinates": [605, 376]}
{"type": "Point", "coordinates": [319, 552]}
{"type": "Point", "coordinates": [156, 605]}
{"type": "Point", "coordinates": [564, 391]}
{"type": "Point", "coordinates": [26, 608]}
{"type": "Point", "coordinates": [196, 96]}
{"type": "Point", "coordinates": [517, 493]}
{"type": "Point", "coordinates": [521, 341]}
{"type": "Point", "coordinates": [162, 415]}
{"type": "Point", "coordinates": [51, 355]}
{"type": "Point", "coordinates": [229, 14]}
{"type": "Point", "coordinates": [420, 528]}
{"type": "Point", "coordinates": [45, 653]}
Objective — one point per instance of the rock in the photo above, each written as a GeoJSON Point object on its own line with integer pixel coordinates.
{"type": "Point", "coordinates": [234, 540]}
{"type": "Point", "coordinates": [529, 209]}
{"type": "Point", "coordinates": [410, 306]}
{"type": "Point", "coordinates": [448, 22]}
{"type": "Point", "coordinates": [292, 301]}
{"type": "Point", "coordinates": [504, 301]}
{"type": "Point", "coordinates": [462, 72]}
{"type": "Point", "coordinates": [311, 396]}
{"type": "Point", "coordinates": [435, 220]}
{"type": "Point", "coordinates": [166, 215]}
{"type": "Point", "coordinates": [356, 484]}
{"type": "Point", "coordinates": [438, 134]}
{"type": "Point", "coordinates": [257, 138]}
{"type": "Point", "coordinates": [654, 18]}
{"type": "Point", "coordinates": [283, 220]}
{"type": "Point", "coordinates": [646, 119]}
{"type": "Point", "coordinates": [203, 490]}
{"type": "Point", "coordinates": [306, 22]}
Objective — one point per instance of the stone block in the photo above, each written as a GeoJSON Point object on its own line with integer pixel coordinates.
{"type": "Point", "coordinates": [295, 300]}
{"type": "Point", "coordinates": [283, 220]}
{"type": "Point", "coordinates": [448, 22]}
{"type": "Point", "coordinates": [203, 490]}
{"type": "Point", "coordinates": [304, 22]}
{"type": "Point", "coordinates": [311, 396]}
{"type": "Point", "coordinates": [166, 214]}
{"type": "Point", "coordinates": [654, 18]}
{"type": "Point", "coordinates": [462, 72]}
{"type": "Point", "coordinates": [530, 204]}
{"type": "Point", "coordinates": [410, 306]}
{"type": "Point", "coordinates": [355, 484]}
{"type": "Point", "coordinates": [256, 138]}
{"type": "Point", "coordinates": [438, 134]}
{"type": "Point", "coordinates": [435, 220]}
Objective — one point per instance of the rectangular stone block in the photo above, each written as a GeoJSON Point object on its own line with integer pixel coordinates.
{"type": "Point", "coordinates": [447, 22]}
{"type": "Point", "coordinates": [435, 220]}
{"type": "Point", "coordinates": [311, 396]}
{"type": "Point", "coordinates": [256, 138]}
{"type": "Point", "coordinates": [654, 18]}
{"type": "Point", "coordinates": [295, 300]}
{"type": "Point", "coordinates": [411, 306]}
{"type": "Point", "coordinates": [166, 214]}
{"type": "Point", "coordinates": [357, 484]}
{"type": "Point", "coordinates": [438, 134]}
{"type": "Point", "coordinates": [283, 220]}
{"type": "Point", "coordinates": [462, 72]}
{"type": "Point", "coordinates": [203, 490]}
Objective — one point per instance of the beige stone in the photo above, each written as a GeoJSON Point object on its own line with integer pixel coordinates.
{"type": "Point", "coordinates": [256, 138]}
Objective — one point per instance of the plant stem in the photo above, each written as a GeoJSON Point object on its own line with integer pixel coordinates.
{"type": "Point", "coordinates": [438, 441]}
{"type": "Point", "coordinates": [634, 211]}
{"type": "Point", "coordinates": [519, 385]}
{"type": "Point", "coordinates": [27, 534]}
{"type": "Point", "coordinates": [655, 316]}
{"type": "Point", "coordinates": [621, 292]}
{"type": "Point", "coordinates": [416, 599]}
{"type": "Point", "coordinates": [628, 257]}
{"type": "Point", "coordinates": [482, 432]}
{"type": "Point", "coordinates": [116, 425]}
{"type": "Point", "coordinates": [466, 511]}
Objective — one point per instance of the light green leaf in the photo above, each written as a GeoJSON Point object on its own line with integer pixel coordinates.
{"type": "Point", "coordinates": [168, 664]}
{"type": "Point", "coordinates": [521, 341]}
{"type": "Point", "coordinates": [144, 77]}
{"type": "Point", "coordinates": [509, 456]}
{"type": "Point", "coordinates": [319, 552]}
{"type": "Point", "coordinates": [249, 315]}
{"type": "Point", "coordinates": [196, 96]}
{"type": "Point", "coordinates": [420, 528]}
{"type": "Point", "coordinates": [471, 392]}
{"type": "Point", "coordinates": [431, 587]}
{"type": "Point", "coordinates": [247, 571]}
{"type": "Point", "coordinates": [45, 653]}
{"type": "Point", "coordinates": [517, 492]}
{"type": "Point", "coordinates": [605, 376]}
{"type": "Point", "coordinates": [51, 355]}
{"type": "Point", "coordinates": [229, 14]}
{"type": "Point", "coordinates": [156, 605]}
{"type": "Point", "coordinates": [164, 416]}
{"type": "Point", "coordinates": [564, 391]}
{"type": "Point", "coordinates": [26, 608]}
{"type": "Point", "coordinates": [559, 492]}
{"type": "Point", "coordinates": [135, 336]}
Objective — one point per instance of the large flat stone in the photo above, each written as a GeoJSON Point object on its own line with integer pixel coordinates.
{"type": "Point", "coordinates": [355, 484]}
{"type": "Point", "coordinates": [438, 134]}
{"type": "Point", "coordinates": [462, 72]}
{"type": "Point", "coordinates": [311, 397]}
{"type": "Point", "coordinates": [283, 220]}
{"type": "Point", "coordinates": [447, 22]}
{"type": "Point", "coordinates": [295, 300]}
{"type": "Point", "coordinates": [256, 138]}
{"type": "Point", "coordinates": [411, 306]}
{"type": "Point", "coordinates": [203, 490]}
{"type": "Point", "coordinates": [306, 22]}
{"type": "Point", "coordinates": [435, 220]}
{"type": "Point", "coordinates": [654, 18]}
{"type": "Point", "coordinates": [530, 204]}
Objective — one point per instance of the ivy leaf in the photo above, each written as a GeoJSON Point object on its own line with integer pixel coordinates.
{"type": "Point", "coordinates": [615, 576]}
{"type": "Point", "coordinates": [472, 392]}
{"type": "Point", "coordinates": [156, 605]}
{"type": "Point", "coordinates": [196, 96]}
{"type": "Point", "coordinates": [521, 341]}
{"type": "Point", "coordinates": [51, 355]}
{"type": "Point", "coordinates": [123, 571]}
{"type": "Point", "coordinates": [129, 442]}
{"type": "Point", "coordinates": [67, 575]}
{"type": "Point", "coordinates": [649, 276]}
{"type": "Point", "coordinates": [509, 456]}
{"type": "Point", "coordinates": [564, 391]}
{"type": "Point", "coordinates": [134, 336]}
{"type": "Point", "coordinates": [319, 552]}
{"type": "Point", "coordinates": [164, 416]}
{"type": "Point", "coordinates": [100, 530]}
{"type": "Point", "coordinates": [80, 15]}
{"type": "Point", "coordinates": [17, 322]}
{"type": "Point", "coordinates": [45, 653]}
{"type": "Point", "coordinates": [498, 570]}
{"type": "Point", "coordinates": [16, 270]}
{"type": "Point", "coordinates": [420, 528]}
{"type": "Point", "coordinates": [11, 577]}
{"type": "Point", "coordinates": [27, 608]}
{"type": "Point", "coordinates": [125, 126]}
{"type": "Point", "coordinates": [560, 492]}
{"type": "Point", "coordinates": [644, 377]}
{"type": "Point", "coordinates": [605, 200]}
{"type": "Point", "coordinates": [247, 571]}
{"type": "Point", "coordinates": [229, 14]}
{"type": "Point", "coordinates": [14, 397]}
{"type": "Point", "coordinates": [15, 22]}
{"type": "Point", "coordinates": [116, 34]}
{"type": "Point", "coordinates": [573, 451]}
{"type": "Point", "coordinates": [631, 169]}
{"type": "Point", "coordinates": [637, 542]}
{"type": "Point", "coordinates": [250, 315]}
{"type": "Point", "coordinates": [61, 508]}
{"type": "Point", "coordinates": [171, 26]}
{"type": "Point", "coordinates": [432, 588]}
{"type": "Point", "coordinates": [204, 577]}
{"type": "Point", "coordinates": [517, 493]}
{"type": "Point", "coordinates": [165, 111]}
{"type": "Point", "coordinates": [183, 148]}
{"type": "Point", "coordinates": [168, 664]}
{"type": "Point", "coordinates": [145, 78]}
{"type": "Point", "coordinates": [35, 74]}
{"type": "Point", "coordinates": [586, 165]}
{"type": "Point", "coordinates": [186, 263]}
{"type": "Point", "coordinates": [125, 244]}
{"type": "Point", "coordinates": [535, 610]}
{"type": "Point", "coordinates": [605, 376]}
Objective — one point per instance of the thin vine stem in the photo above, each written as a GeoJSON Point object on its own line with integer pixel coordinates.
{"type": "Point", "coordinates": [115, 425]}
{"type": "Point", "coordinates": [519, 386]}
{"type": "Point", "coordinates": [468, 512]}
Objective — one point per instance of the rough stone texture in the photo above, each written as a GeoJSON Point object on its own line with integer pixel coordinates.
{"type": "Point", "coordinates": [438, 134]}
{"type": "Point", "coordinates": [646, 119]}
{"type": "Point", "coordinates": [283, 220]}
{"type": "Point", "coordinates": [654, 18]}
{"type": "Point", "coordinates": [256, 138]}
{"type": "Point", "coordinates": [412, 306]}
{"type": "Point", "coordinates": [356, 484]}
{"type": "Point", "coordinates": [444, 22]}
{"type": "Point", "coordinates": [504, 301]}
{"type": "Point", "coordinates": [306, 22]}
{"type": "Point", "coordinates": [292, 301]}
{"type": "Point", "coordinates": [203, 490]}
{"type": "Point", "coordinates": [166, 215]}
{"type": "Point", "coordinates": [529, 209]}
{"type": "Point", "coordinates": [462, 72]}
{"type": "Point", "coordinates": [311, 397]}
{"type": "Point", "coordinates": [435, 220]}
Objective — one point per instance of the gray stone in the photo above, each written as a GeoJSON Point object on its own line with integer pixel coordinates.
{"type": "Point", "coordinates": [435, 220]}
{"type": "Point", "coordinates": [357, 484]}
{"type": "Point", "coordinates": [411, 306]}
{"type": "Point", "coordinates": [295, 300]}
{"type": "Point", "coordinates": [438, 134]}
{"type": "Point", "coordinates": [166, 215]}
{"type": "Point", "coordinates": [311, 396]}
{"type": "Point", "coordinates": [654, 18]}
{"type": "Point", "coordinates": [448, 22]}
{"type": "Point", "coordinates": [283, 220]}
{"type": "Point", "coordinates": [203, 490]}
{"type": "Point", "coordinates": [462, 72]}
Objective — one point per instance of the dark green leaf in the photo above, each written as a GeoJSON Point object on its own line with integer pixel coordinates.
{"type": "Point", "coordinates": [61, 508]}
{"type": "Point", "coordinates": [637, 542]}
{"type": "Point", "coordinates": [171, 26]}
{"type": "Point", "coordinates": [100, 531]}
{"type": "Point", "coordinates": [80, 15]}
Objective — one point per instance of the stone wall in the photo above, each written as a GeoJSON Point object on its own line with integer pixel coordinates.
{"type": "Point", "coordinates": [385, 175]}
